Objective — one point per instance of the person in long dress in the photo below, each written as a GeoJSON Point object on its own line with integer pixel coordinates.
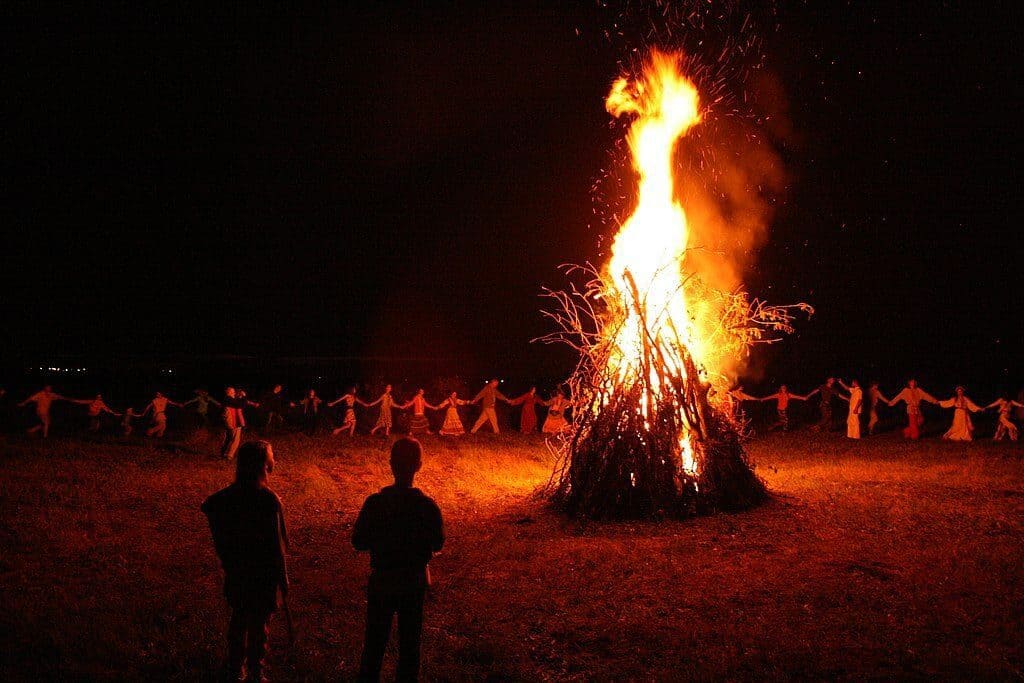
{"type": "Point", "coordinates": [43, 399]}
{"type": "Point", "coordinates": [962, 428]}
{"type": "Point", "coordinates": [782, 397]}
{"type": "Point", "coordinates": [158, 406]}
{"type": "Point", "coordinates": [555, 421]}
{"type": "Point", "coordinates": [528, 413]}
{"type": "Point", "coordinates": [97, 407]}
{"type": "Point", "coordinates": [913, 395]}
{"type": "Point", "coordinates": [856, 401]}
{"type": "Point", "coordinates": [348, 420]}
{"type": "Point", "coordinates": [419, 423]}
{"type": "Point", "coordinates": [1005, 427]}
{"type": "Point", "coordinates": [385, 419]}
{"type": "Point", "coordinates": [452, 425]}
{"type": "Point", "coordinates": [875, 396]}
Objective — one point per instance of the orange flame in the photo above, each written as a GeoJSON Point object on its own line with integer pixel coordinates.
{"type": "Point", "coordinates": [651, 245]}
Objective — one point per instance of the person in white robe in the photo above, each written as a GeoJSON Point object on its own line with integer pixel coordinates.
{"type": "Point", "coordinates": [856, 401]}
{"type": "Point", "coordinates": [962, 428]}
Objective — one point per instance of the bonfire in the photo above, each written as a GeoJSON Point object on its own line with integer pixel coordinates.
{"type": "Point", "coordinates": [655, 433]}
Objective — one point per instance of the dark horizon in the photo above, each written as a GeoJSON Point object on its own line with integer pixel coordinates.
{"type": "Point", "coordinates": [394, 182]}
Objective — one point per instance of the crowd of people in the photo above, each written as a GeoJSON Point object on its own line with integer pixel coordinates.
{"type": "Point", "coordinates": [272, 410]}
{"type": "Point", "coordinates": [860, 406]}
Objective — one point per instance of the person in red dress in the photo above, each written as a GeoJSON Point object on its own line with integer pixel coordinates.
{"type": "Point", "coordinates": [528, 416]}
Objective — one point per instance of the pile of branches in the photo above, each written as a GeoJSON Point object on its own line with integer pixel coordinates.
{"type": "Point", "coordinates": [624, 457]}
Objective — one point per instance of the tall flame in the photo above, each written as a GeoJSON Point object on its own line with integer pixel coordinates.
{"type": "Point", "coordinates": [648, 252]}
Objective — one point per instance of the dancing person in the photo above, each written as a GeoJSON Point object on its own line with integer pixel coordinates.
{"type": "Point", "coordinates": [95, 411]}
{"type": "Point", "coordinates": [555, 421]}
{"type": "Point", "coordinates": [126, 421]}
{"type": "Point", "coordinates": [274, 406]}
{"type": "Point", "coordinates": [202, 401]}
{"type": "Point", "coordinates": [782, 398]}
{"type": "Point", "coordinates": [311, 411]}
{"type": "Point", "coordinates": [875, 397]}
{"type": "Point", "coordinates": [419, 423]}
{"type": "Point", "coordinates": [528, 412]}
{"type": "Point", "coordinates": [43, 400]}
{"type": "Point", "coordinates": [488, 398]}
{"type": "Point", "coordinates": [452, 425]}
{"type": "Point", "coordinates": [737, 397]}
{"type": "Point", "coordinates": [856, 401]}
{"type": "Point", "coordinates": [159, 406]}
{"type": "Point", "coordinates": [826, 392]}
{"type": "Point", "coordinates": [912, 395]}
{"type": "Point", "coordinates": [234, 422]}
{"type": "Point", "coordinates": [402, 529]}
{"type": "Point", "coordinates": [1005, 426]}
{"type": "Point", "coordinates": [962, 428]}
{"type": "Point", "coordinates": [249, 535]}
{"type": "Point", "coordinates": [385, 418]}
{"type": "Point", "coordinates": [348, 421]}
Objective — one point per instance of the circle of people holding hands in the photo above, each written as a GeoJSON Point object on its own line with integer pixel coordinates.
{"type": "Point", "coordinates": [859, 404]}
{"type": "Point", "coordinates": [310, 408]}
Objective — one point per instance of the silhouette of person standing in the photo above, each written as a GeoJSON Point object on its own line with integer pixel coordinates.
{"type": "Point", "coordinates": [401, 528]}
{"type": "Point", "coordinates": [247, 522]}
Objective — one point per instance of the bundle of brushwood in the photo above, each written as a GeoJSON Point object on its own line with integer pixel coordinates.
{"type": "Point", "coordinates": [647, 439]}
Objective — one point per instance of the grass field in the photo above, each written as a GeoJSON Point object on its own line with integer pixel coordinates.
{"type": "Point", "coordinates": [877, 559]}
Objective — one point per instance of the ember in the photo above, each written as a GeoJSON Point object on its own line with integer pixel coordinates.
{"type": "Point", "coordinates": [655, 433]}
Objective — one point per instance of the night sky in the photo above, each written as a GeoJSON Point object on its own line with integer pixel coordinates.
{"type": "Point", "coordinates": [394, 182]}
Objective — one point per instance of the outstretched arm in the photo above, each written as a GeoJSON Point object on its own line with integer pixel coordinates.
{"type": "Point", "coordinates": [925, 396]}
{"type": "Point", "coordinates": [843, 384]}
{"type": "Point", "coordinates": [335, 402]}
{"type": "Point", "coordinates": [994, 404]}
{"type": "Point", "coordinates": [816, 391]}
{"type": "Point", "coordinates": [190, 402]}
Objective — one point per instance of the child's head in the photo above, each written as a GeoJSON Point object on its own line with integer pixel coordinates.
{"type": "Point", "coordinates": [254, 462]}
{"type": "Point", "coordinates": [406, 460]}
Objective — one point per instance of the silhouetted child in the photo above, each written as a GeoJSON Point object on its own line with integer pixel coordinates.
{"type": "Point", "coordinates": [402, 529]}
{"type": "Point", "coordinates": [247, 521]}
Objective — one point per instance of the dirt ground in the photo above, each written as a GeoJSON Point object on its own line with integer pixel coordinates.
{"type": "Point", "coordinates": [878, 559]}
